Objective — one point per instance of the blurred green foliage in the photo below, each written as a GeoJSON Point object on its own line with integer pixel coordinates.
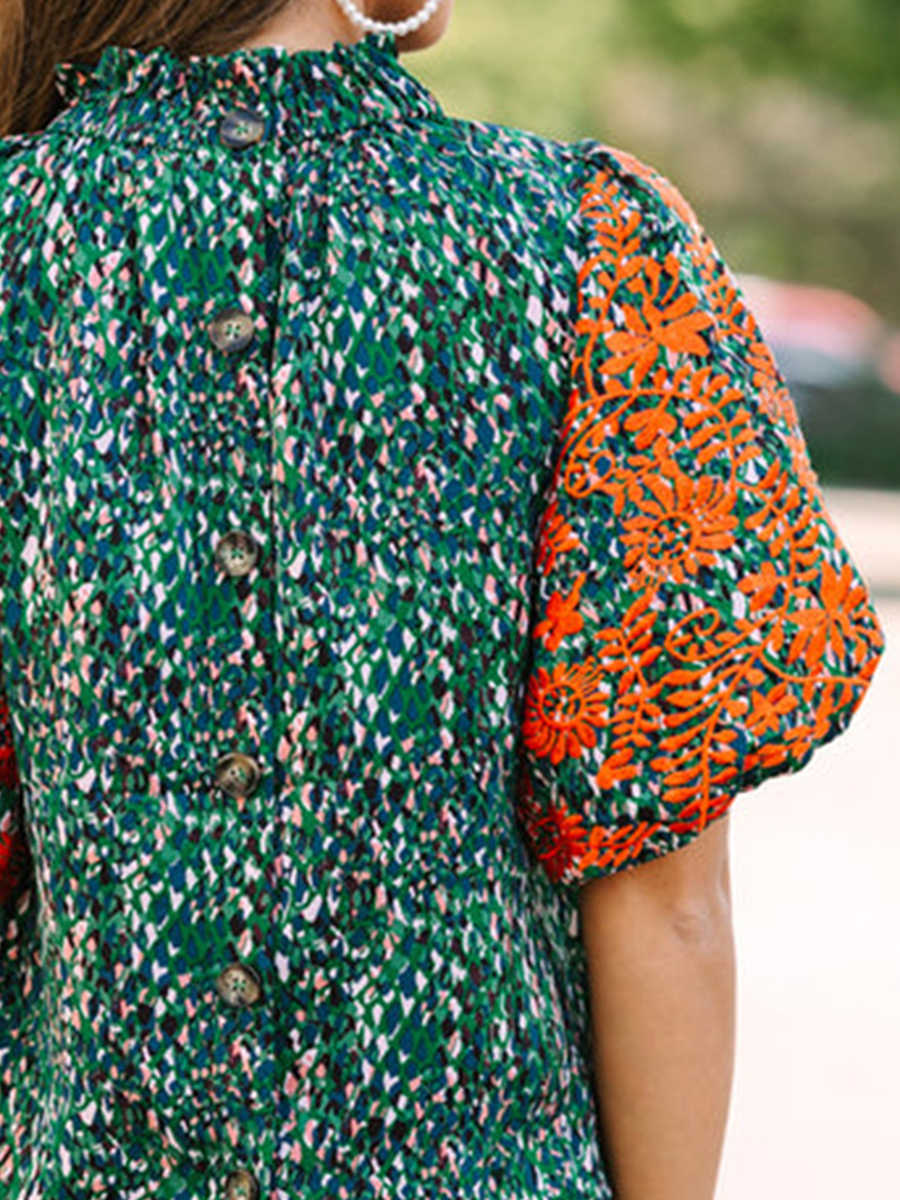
{"type": "Point", "coordinates": [849, 45]}
{"type": "Point", "coordinates": [779, 119]}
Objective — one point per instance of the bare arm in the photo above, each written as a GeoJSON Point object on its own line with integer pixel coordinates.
{"type": "Point", "coordinates": [661, 976]}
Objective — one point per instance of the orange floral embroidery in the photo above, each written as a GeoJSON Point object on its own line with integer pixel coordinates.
{"type": "Point", "coordinates": [682, 525]}
{"type": "Point", "coordinates": [723, 298]}
{"type": "Point", "coordinates": [695, 816]}
{"type": "Point", "coordinates": [763, 587]}
{"type": "Point", "coordinates": [562, 616]}
{"type": "Point", "coordinates": [563, 710]}
{"type": "Point", "coordinates": [665, 320]}
{"type": "Point", "coordinates": [9, 773]}
{"type": "Point", "coordinates": [613, 847]}
{"type": "Point", "coordinates": [617, 768]}
{"type": "Point", "coordinates": [831, 625]}
{"type": "Point", "coordinates": [556, 836]}
{"type": "Point", "coordinates": [766, 710]}
{"type": "Point", "coordinates": [628, 654]}
{"type": "Point", "coordinates": [650, 424]}
{"type": "Point", "coordinates": [682, 479]}
{"type": "Point", "coordinates": [769, 757]}
{"type": "Point", "coordinates": [556, 538]}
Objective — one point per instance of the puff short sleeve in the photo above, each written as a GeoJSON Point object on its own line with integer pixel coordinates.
{"type": "Point", "coordinates": [697, 624]}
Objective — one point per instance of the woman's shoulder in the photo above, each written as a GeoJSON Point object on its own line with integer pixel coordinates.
{"type": "Point", "coordinates": [17, 152]}
{"type": "Point", "coordinates": [26, 157]}
{"type": "Point", "coordinates": [617, 174]}
{"type": "Point", "coordinates": [581, 175]}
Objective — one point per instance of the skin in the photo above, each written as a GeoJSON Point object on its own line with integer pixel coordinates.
{"type": "Point", "coordinates": [318, 24]}
{"type": "Point", "coordinates": [658, 938]}
{"type": "Point", "coordinates": [661, 969]}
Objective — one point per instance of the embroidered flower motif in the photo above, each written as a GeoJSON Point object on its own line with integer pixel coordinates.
{"type": "Point", "coordinates": [831, 625]}
{"type": "Point", "coordinates": [683, 524]}
{"type": "Point", "coordinates": [555, 835]}
{"type": "Point", "coordinates": [562, 616]}
{"type": "Point", "coordinates": [666, 319]}
{"type": "Point", "coordinates": [563, 710]}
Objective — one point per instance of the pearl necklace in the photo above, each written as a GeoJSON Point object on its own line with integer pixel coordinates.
{"type": "Point", "coordinates": [399, 28]}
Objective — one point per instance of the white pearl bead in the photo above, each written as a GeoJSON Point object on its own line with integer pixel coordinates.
{"type": "Point", "coordinates": [399, 28]}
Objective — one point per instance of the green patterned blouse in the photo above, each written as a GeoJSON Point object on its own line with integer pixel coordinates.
{"type": "Point", "coordinates": [403, 523]}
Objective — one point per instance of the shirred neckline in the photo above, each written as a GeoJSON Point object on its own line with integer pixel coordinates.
{"type": "Point", "coordinates": [344, 85]}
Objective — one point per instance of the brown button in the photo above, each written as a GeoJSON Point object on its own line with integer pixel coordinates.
{"type": "Point", "coordinates": [241, 127]}
{"type": "Point", "coordinates": [232, 329]}
{"type": "Point", "coordinates": [237, 774]}
{"type": "Point", "coordinates": [241, 1185]}
{"type": "Point", "coordinates": [239, 985]}
{"type": "Point", "coordinates": [236, 553]}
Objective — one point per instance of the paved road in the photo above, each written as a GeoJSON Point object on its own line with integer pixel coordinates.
{"type": "Point", "coordinates": [816, 1106]}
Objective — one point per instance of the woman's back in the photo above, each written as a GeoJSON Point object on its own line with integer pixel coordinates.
{"type": "Point", "coordinates": [339, 604]}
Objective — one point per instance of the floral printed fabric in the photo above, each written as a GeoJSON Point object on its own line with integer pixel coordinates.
{"type": "Point", "coordinates": [534, 577]}
{"type": "Point", "coordinates": [700, 624]}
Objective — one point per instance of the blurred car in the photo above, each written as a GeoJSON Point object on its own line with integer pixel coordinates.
{"type": "Point", "coordinates": [842, 365]}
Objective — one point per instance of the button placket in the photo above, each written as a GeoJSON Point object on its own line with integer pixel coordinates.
{"type": "Point", "coordinates": [239, 632]}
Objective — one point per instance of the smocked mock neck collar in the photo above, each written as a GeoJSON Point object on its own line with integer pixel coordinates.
{"type": "Point", "coordinates": [329, 89]}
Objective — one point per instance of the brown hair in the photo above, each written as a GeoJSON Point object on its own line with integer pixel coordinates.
{"type": "Point", "coordinates": [35, 35]}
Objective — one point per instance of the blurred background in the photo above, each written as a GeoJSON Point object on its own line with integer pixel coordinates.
{"type": "Point", "coordinates": [780, 120]}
